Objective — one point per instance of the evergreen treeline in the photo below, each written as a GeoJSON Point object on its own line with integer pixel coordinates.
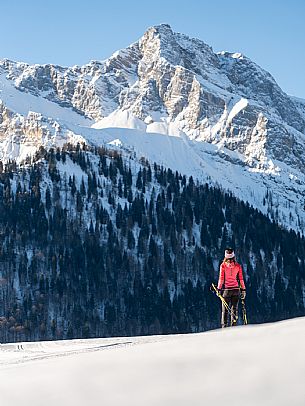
{"type": "Point", "coordinates": [94, 245]}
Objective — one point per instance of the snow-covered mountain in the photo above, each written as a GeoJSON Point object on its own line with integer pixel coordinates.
{"type": "Point", "coordinates": [216, 116]}
{"type": "Point", "coordinates": [266, 368]}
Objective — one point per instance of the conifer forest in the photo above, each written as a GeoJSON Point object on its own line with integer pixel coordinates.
{"type": "Point", "coordinates": [96, 244]}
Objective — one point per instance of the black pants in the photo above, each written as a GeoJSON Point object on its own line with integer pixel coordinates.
{"type": "Point", "coordinates": [231, 297]}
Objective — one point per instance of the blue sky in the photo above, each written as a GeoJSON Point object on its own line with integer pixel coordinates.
{"type": "Point", "coordinates": [67, 32]}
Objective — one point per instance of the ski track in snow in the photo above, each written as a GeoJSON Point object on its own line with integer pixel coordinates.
{"type": "Point", "coordinates": [38, 354]}
{"type": "Point", "coordinates": [13, 354]}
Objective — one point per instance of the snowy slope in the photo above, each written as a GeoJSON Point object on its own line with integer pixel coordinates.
{"type": "Point", "coordinates": [249, 365]}
{"type": "Point", "coordinates": [216, 116]}
{"type": "Point", "coordinates": [215, 164]}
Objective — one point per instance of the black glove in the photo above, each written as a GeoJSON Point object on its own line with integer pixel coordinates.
{"type": "Point", "coordinates": [242, 294]}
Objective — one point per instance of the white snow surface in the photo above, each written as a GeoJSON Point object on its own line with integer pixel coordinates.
{"type": "Point", "coordinates": [247, 365]}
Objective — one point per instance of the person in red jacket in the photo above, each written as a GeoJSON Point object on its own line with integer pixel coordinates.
{"type": "Point", "coordinates": [231, 284]}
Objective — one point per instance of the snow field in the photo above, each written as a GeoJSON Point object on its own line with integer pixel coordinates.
{"type": "Point", "coordinates": [249, 365]}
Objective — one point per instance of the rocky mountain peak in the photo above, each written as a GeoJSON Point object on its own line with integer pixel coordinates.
{"type": "Point", "coordinates": [165, 83]}
{"type": "Point", "coordinates": [177, 49]}
{"type": "Point", "coordinates": [169, 77]}
{"type": "Point", "coordinates": [159, 41]}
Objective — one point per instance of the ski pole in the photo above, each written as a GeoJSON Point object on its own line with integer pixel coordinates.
{"type": "Point", "coordinates": [233, 315]}
{"type": "Point", "coordinates": [243, 306]}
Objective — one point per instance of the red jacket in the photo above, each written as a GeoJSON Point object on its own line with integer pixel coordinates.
{"type": "Point", "coordinates": [230, 274]}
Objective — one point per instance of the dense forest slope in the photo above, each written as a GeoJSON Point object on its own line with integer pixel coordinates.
{"type": "Point", "coordinates": [94, 244]}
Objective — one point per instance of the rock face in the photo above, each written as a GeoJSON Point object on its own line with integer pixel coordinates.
{"type": "Point", "coordinates": [165, 83]}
